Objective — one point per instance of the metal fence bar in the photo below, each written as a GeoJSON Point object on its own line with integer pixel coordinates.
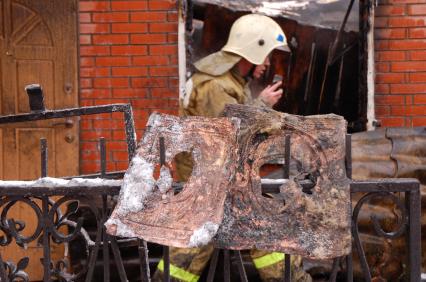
{"type": "Point", "coordinates": [413, 202]}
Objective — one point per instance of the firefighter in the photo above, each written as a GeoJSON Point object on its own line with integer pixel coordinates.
{"type": "Point", "coordinates": [222, 78]}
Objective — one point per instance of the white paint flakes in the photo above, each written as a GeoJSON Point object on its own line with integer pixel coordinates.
{"type": "Point", "coordinates": [164, 183]}
{"type": "Point", "coordinates": [203, 235]}
{"type": "Point", "coordinates": [121, 229]}
{"type": "Point", "coordinates": [138, 184]}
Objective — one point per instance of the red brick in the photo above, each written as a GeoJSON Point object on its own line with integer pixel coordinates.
{"type": "Point", "coordinates": [111, 101]}
{"type": "Point", "coordinates": [94, 28]}
{"type": "Point", "coordinates": [85, 82]}
{"type": "Point", "coordinates": [89, 167]}
{"type": "Point", "coordinates": [381, 89]}
{"type": "Point", "coordinates": [113, 61]}
{"type": "Point", "coordinates": [380, 22]}
{"type": "Point", "coordinates": [129, 5]}
{"type": "Point", "coordinates": [172, 38]}
{"type": "Point", "coordinates": [87, 62]}
{"type": "Point", "coordinates": [381, 44]}
{"type": "Point", "coordinates": [417, 55]}
{"type": "Point", "coordinates": [148, 17]}
{"type": "Point", "coordinates": [406, 21]}
{"type": "Point", "coordinates": [111, 83]}
{"type": "Point", "coordinates": [398, 111]}
{"type": "Point", "coordinates": [150, 60]}
{"type": "Point", "coordinates": [130, 93]}
{"type": "Point", "coordinates": [390, 55]}
{"type": "Point", "coordinates": [111, 39]}
{"type": "Point", "coordinates": [85, 17]}
{"type": "Point", "coordinates": [417, 9]}
{"type": "Point", "coordinates": [88, 146]}
{"type": "Point", "coordinates": [390, 78]}
{"type": "Point", "coordinates": [417, 77]}
{"type": "Point", "coordinates": [163, 27]}
{"type": "Point", "coordinates": [95, 93]}
{"type": "Point", "coordinates": [85, 39]}
{"type": "Point", "coordinates": [163, 50]}
{"type": "Point", "coordinates": [382, 111]}
{"type": "Point", "coordinates": [408, 44]}
{"type": "Point", "coordinates": [114, 17]}
{"type": "Point", "coordinates": [390, 10]}
{"type": "Point", "coordinates": [162, 4]}
{"type": "Point", "coordinates": [149, 82]}
{"type": "Point", "coordinates": [408, 88]}
{"type": "Point", "coordinates": [165, 93]}
{"type": "Point", "coordinates": [173, 103]}
{"type": "Point", "coordinates": [116, 146]}
{"type": "Point", "coordinates": [130, 71]}
{"type": "Point", "coordinates": [419, 121]}
{"type": "Point", "coordinates": [119, 155]}
{"type": "Point", "coordinates": [95, 6]}
{"type": "Point", "coordinates": [392, 121]}
{"type": "Point", "coordinates": [173, 82]}
{"type": "Point", "coordinates": [408, 66]}
{"type": "Point", "coordinates": [90, 155]}
{"type": "Point", "coordinates": [172, 16]}
{"type": "Point", "coordinates": [419, 99]}
{"type": "Point", "coordinates": [86, 102]}
{"type": "Point", "coordinates": [118, 135]}
{"type": "Point", "coordinates": [121, 165]}
{"type": "Point", "coordinates": [95, 134]}
{"type": "Point", "coordinates": [389, 100]}
{"type": "Point", "coordinates": [106, 124]}
{"type": "Point", "coordinates": [417, 32]}
{"type": "Point", "coordinates": [129, 50]}
{"type": "Point", "coordinates": [416, 110]}
{"type": "Point", "coordinates": [163, 71]}
{"type": "Point", "coordinates": [156, 38]}
{"type": "Point", "coordinates": [92, 72]}
{"type": "Point", "coordinates": [85, 125]}
{"type": "Point", "coordinates": [150, 103]}
{"type": "Point", "coordinates": [129, 28]}
{"type": "Point", "coordinates": [390, 33]}
{"type": "Point", "coordinates": [140, 114]}
{"type": "Point", "coordinates": [382, 67]}
{"type": "Point", "coordinates": [94, 50]}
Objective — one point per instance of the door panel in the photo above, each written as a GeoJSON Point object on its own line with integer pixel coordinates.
{"type": "Point", "coordinates": [38, 44]}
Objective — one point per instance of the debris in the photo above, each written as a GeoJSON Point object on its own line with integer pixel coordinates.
{"type": "Point", "coordinates": [223, 202]}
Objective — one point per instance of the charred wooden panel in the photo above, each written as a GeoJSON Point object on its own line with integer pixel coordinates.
{"type": "Point", "coordinates": [148, 208]}
{"type": "Point", "coordinates": [223, 198]}
{"type": "Point", "coordinates": [313, 223]}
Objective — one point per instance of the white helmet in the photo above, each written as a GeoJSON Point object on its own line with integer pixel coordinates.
{"type": "Point", "coordinates": [254, 36]}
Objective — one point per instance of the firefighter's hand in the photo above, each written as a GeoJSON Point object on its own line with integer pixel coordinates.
{"type": "Point", "coordinates": [271, 94]}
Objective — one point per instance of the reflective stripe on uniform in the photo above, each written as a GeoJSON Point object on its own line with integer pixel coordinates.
{"type": "Point", "coordinates": [179, 273]}
{"type": "Point", "coordinates": [268, 260]}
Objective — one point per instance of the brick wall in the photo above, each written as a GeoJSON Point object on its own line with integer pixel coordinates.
{"type": "Point", "coordinates": [400, 46]}
{"type": "Point", "coordinates": [128, 54]}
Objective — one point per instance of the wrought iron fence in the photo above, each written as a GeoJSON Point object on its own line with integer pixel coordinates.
{"type": "Point", "coordinates": [48, 199]}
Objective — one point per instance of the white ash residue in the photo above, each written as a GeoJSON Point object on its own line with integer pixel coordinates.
{"type": "Point", "coordinates": [51, 182]}
{"type": "Point", "coordinates": [203, 235]}
{"type": "Point", "coordinates": [138, 183]}
{"type": "Point", "coordinates": [121, 229]}
{"type": "Point", "coordinates": [166, 180]}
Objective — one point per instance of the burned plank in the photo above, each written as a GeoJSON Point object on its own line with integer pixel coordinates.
{"type": "Point", "coordinates": [223, 201]}
{"type": "Point", "coordinates": [148, 208]}
{"type": "Point", "coordinates": [313, 225]}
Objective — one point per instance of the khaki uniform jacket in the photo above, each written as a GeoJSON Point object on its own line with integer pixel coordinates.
{"type": "Point", "coordinates": [214, 85]}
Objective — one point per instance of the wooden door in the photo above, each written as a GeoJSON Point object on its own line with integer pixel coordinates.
{"type": "Point", "coordinates": [38, 44]}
